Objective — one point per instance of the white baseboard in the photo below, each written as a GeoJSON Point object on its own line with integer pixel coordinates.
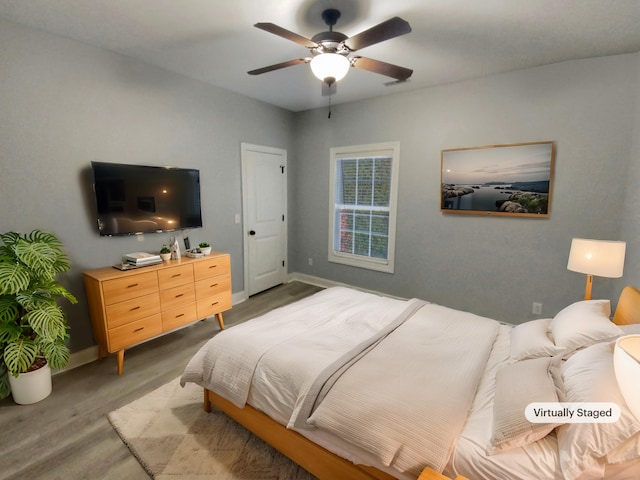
{"type": "Point", "coordinates": [323, 282]}
{"type": "Point", "coordinates": [239, 297]}
{"type": "Point", "coordinates": [312, 280]}
{"type": "Point", "coordinates": [80, 358]}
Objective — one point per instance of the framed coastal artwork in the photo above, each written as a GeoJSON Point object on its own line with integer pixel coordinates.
{"type": "Point", "coordinates": [504, 180]}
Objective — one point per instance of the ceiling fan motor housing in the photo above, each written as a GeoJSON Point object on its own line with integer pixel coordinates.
{"type": "Point", "coordinates": [330, 42]}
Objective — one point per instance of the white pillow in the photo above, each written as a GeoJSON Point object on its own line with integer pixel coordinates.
{"type": "Point", "coordinates": [532, 340]}
{"type": "Point", "coordinates": [588, 376]}
{"type": "Point", "coordinates": [582, 324]}
{"type": "Point", "coordinates": [517, 385]}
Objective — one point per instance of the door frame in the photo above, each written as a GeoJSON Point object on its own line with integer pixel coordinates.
{"type": "Point", "coordinates": [244, 147]}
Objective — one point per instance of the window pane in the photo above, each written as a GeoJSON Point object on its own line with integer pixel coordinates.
{"type": "Point", "coordinates": [379, 245]}
{"type": "Point", "coordinates": [365, 169]}
{"type": "Point", "coordinates": [361, 244]}
{"type": "Point", "coordinates": [382, 185]}
{"type": "Point", "coordinates": [346, 242]}
{"type": "Point", "coordinates": [349, 172]}
{"type": "Point", "coordinates": [364, 193]}
{"type": "Point", "coordinates": [363, 221]}
{"type": "Point", "coordinates": [380, 223]}
{"type": "Point", "coordinates": [346, 219]}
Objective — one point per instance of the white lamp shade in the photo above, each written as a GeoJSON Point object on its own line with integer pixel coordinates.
{"type": "Point", "coordinates": [330, 65]}
{"type": "Point", "coordinates": [597, 257]}
{"type": "Point", "coordinates": [626, 362]}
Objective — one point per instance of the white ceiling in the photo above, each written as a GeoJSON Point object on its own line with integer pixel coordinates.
{"type": "Point", "coordinates": [214, 40]}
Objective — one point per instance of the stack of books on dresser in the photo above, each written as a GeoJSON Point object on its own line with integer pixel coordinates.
{"type": "Point", "coordinates": [141, 259]}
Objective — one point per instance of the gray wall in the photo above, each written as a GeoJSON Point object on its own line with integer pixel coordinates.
{"type": "Point", "coordinates": [65, 104]}
{"type": "Point", "coordinates": [631, 204]}
{"type": "Point", "coordinates": [490, 265]}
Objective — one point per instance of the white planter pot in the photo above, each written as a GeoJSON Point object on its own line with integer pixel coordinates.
{"type": "Point", "coordinates": [205, 250]}
{"type": "Point", "coordinates": [31, 387]}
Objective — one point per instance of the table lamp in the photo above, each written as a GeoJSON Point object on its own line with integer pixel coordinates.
{"type": "Point", "coordinates": [626, 362]}
{"type": "Point", "coordinates": [602, 258]}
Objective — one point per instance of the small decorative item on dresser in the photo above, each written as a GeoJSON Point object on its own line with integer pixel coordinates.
{"type": "Point", "coordinates": [175, 249]}
{"type": "Point", "coordinates": [194, 253]}
{"type": "Point", "coordinates": [205, 248]}
{"type": "Point", "coordinates": [165, 253]}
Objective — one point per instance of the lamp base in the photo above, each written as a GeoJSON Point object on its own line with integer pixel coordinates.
{"type": "Point", "coordinates": [587, 288]}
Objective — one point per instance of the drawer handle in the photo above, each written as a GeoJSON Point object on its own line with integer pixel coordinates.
{"type": "Point", "coordinates": [180, 315]}
{"type": "Point", "coordinates": [180, 295]}
{"type": "Point", "coordinates": [214, 285]}
{"type": "Point", "coordinates": [213, 266]}
{"type": "Point", "coordinates": [135, 308]}
{"type": "Point", "coordinates": [132, 285]}
{"type": "Point", "coordinates": [138, 329]}
{"type": "Point", "coordinates": [214, 303]}
{"type": "Point", "coordinates": [176, 275]}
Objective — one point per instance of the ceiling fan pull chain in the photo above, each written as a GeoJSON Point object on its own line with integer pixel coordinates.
{"type": "Point", "coordinates": [329, 107]}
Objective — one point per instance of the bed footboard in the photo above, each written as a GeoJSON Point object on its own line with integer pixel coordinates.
{"type": "Point", "coordinates": [310, 456]}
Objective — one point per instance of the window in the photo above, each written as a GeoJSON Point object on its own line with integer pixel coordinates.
{"type": "Point", "coordinates": [364, 194]}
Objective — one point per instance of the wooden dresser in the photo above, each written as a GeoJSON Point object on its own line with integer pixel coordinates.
{"type": "Point", "coordinates": [128, 307]}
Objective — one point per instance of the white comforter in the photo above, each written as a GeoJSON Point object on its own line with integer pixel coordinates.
{"type": "Point", "coordinates": [404, 402]}
{"type": "Point", "coordinates": [407, 400]}
{"type": "Point", "coordinates": [289, 346]}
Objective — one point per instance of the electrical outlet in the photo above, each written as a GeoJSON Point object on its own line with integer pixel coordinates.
{"type": "Point", "coordinates": [537, 308]}
{"type": "Point", "coordinates": [310, 261]}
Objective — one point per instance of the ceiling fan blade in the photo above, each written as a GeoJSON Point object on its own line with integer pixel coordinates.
{"type": "Point", "coordinates": [392, 28]}
{"type": "Point", "coordinates": [284, 33]}
{"type": "Point", "coordinates": [278, 66]}
{"type": "Point", "coordinates": [383, 68]}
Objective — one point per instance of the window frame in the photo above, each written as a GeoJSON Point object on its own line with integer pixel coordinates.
{"type": "Point", "coordinates": [387, 150]}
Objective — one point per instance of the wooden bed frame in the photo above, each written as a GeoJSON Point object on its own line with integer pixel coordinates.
{"type": "Point", "coordinates": [326, 465]}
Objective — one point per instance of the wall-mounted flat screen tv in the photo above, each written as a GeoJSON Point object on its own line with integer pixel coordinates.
{"type": "Point", "coordinates": [134, 199]}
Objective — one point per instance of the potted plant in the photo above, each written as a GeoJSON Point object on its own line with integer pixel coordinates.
{"type": "Point", "coordinates": [205, 248]}
{"type": "Point", "coordinates": [165, 253]}
{"type": "Point", "coordinates": [33, 328]}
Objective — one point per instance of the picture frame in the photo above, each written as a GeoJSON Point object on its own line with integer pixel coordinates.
{"type": "Point", "coordinates": [499, 180]}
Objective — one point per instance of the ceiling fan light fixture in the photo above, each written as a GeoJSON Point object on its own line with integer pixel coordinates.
{"type": "Point", "coordinates": [330, 66]}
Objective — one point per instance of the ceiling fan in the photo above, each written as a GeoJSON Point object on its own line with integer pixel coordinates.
{"type": "Point", "coordinates": [330, 60]}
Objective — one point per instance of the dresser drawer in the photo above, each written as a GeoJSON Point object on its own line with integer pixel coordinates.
{"type": "Point", "coordinates": [134, 332]}
{"type": "Point", "coordinates": [177, 296]}
{"type": "Point", "coordinates": [120, 289]}
{"type": "Point", "coordinates": [174, 276]}
{"type": "Point", "coordinates": [213, 286]}
{"type": "Point", "coordinates": [131, 310]}
{"type": "Point", "coordinates": [214, 304]}
{"type": "Point", "coordinates": [177, 317]}
{"type": "Point", "coordinates": [212, 267]}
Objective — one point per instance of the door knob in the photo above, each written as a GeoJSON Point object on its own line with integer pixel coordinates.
{"type": "Point", "coordinates": [252, 232]}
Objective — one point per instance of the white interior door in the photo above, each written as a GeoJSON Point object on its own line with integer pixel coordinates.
{"type": "Point", "coordinates": [264, 210]}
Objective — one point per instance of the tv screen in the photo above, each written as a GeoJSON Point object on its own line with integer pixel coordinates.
{"type": "Point", "coordinates": [133, 199]}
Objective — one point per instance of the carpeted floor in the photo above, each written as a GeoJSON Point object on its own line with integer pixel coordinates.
{"type": "Point", "coordinates": [172, 437]}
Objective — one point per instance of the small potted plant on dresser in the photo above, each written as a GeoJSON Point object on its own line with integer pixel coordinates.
{"type": "Point", "coordinates": [33, 328]}
{"type": "Point", "coordinates": [165, 253]}
{"type": "Point", "coordinates": [205, 248]}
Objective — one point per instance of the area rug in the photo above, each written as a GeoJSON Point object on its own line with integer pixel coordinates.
{"type": "Point", "coordinates": [173, 438]}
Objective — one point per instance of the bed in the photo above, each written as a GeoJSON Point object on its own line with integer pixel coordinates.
{"type": "Point", "coordinates": [354, 385]}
